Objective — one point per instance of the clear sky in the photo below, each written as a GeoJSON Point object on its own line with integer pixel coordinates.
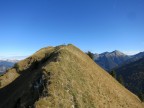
{"type": "Point", "coordinates": [95, 25]}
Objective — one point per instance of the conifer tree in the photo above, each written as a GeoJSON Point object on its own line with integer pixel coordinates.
{"type": "Point", "coordinates": [90, 54]}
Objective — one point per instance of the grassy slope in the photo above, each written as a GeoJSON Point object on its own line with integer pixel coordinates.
{"type": "Point", "coordinates": [75, 81]}
{"type": "Point", "coordinates": [15, 72]}
{"type": "Point", "coordinates": [17, 83]}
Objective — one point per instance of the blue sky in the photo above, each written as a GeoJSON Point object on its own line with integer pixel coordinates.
{"type": "Point", "coordinates": [95, 25]}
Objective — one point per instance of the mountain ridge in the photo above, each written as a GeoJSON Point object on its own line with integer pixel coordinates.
{"type": "Point", "coordinates": [115, 59]}
{"type": "Point", "coordinates": [62, 76]}
{"type": "Point", "coordinates": [110, 60]}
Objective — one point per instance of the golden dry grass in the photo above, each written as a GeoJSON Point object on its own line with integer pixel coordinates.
{"type": "Point", "coordinates": [8, 77]}
{"type": "Point", "coordinates": [76, 81]}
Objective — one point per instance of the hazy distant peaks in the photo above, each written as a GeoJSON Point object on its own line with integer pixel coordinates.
{"type": "Point", "coordinates": [104, 53]}
{"type": "Point", "coordinates": [13, 58]}
{"type": "Point", "coordinates": [115, 52]}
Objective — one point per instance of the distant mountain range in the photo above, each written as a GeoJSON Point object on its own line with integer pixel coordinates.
{"type": "Point", "coordinates": [135, 57]}
{"type": "Point", "coordinates": [13, 58]}
{"type": "Point", "coordinates": [6, 64]}
{"type": "Point", "coordinates": [111, 60]}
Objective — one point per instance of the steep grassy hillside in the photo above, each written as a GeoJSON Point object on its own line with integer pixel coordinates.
{"type": "Point", "coordinates": [62, 77]}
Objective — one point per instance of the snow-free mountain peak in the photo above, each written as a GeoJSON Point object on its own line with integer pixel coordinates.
{"type": "Point", "coordinates": [62, 77]}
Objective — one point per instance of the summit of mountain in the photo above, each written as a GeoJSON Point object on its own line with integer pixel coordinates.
{"type": "Point", "coordinates": [110, 60]}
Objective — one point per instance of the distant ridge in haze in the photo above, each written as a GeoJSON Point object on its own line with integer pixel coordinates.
{"type": "Point", "coordinates": [6, 64]}
{"type": "Point", "coordinates": [12, 58]}
{"type": "Point", "coordinates": [135, 57]}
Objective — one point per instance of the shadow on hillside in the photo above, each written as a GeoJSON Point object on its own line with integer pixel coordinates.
{"type": "Point", "coordinates": [28, 87]}
{"type": "Point", "coordinates": [18, 88]}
